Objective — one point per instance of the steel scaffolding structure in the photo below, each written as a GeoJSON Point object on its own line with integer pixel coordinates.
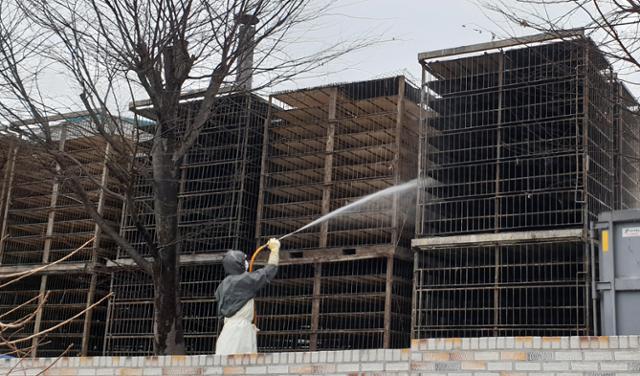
{"type": "Point", "coordinates": [475, 286]}
{"type": "Point", "coordinates": [345, 283]}
{"type": "Point", "coordinates": [219, 179]}
{"type": "Point", "coordinates": [328, 146]}
{"type": "Point", "coordinates": [626, 150]}
{"type": "Point", "coordinates": [374, 145]}
{"type": "Point", "coordinates": [217, 211]}
{"type": "Point", "coordinates": [518, 139]}
{"type": "Point", "coordinates": [325, 300]}
{"type": "Point", "coordinates": [43, 220]}
{"type": "Point", "coordinates": [130, 317]}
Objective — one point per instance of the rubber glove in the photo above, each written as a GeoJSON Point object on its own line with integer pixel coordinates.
{"type": "Point", "coordinates": [274, 247]}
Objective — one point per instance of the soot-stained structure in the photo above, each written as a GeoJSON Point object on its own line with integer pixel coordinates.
{"type": "Point", "coordinates": [346, 282]}
{"type": "Point", "coordinates": [523, 143]}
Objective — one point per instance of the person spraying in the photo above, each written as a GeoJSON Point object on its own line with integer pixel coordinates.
{"type": "Point", "coordinates": [235, 297]}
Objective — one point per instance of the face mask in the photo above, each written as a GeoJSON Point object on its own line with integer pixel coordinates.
{"type": "Point", "coordinates": [246, 265]}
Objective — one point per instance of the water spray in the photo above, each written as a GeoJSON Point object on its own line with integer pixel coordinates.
{"type": "Point", "coordinates": [374, 196]}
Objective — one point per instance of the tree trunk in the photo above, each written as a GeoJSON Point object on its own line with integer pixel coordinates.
{"type": "Point", "coordinates": [167, 327]}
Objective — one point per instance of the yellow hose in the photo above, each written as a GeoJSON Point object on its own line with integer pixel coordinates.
{"type": "Point", "coordinates": [253, 259]}
{"type": "Point", "coordinates": [255, 254]}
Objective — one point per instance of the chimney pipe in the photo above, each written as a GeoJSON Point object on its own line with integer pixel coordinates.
{"type": "Point", "coordinates": [246, 33]}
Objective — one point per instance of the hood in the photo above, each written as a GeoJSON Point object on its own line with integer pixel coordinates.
{"type": "Point", "coordinates": [233, 262]}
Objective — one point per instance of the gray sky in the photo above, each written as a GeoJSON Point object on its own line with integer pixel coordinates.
{"type": "Point", "coordinates": [408, 27]}
{"type": "Point", "coordinates": [401, 29]}
{"type": "Point", "coordinates": [405, 27]}
{"type": "Point", "coordinates": [413, 26]}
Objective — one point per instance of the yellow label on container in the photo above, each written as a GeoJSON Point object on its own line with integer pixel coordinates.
{"type": "Point", "coordinates": [605, 241]}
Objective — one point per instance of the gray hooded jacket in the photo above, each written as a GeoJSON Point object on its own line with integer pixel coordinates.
{"type": "Point", "coordinates": [240, 286]}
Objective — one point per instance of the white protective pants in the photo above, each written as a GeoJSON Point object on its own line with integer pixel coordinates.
{"type": "Point", "coordinates": [238, 335]}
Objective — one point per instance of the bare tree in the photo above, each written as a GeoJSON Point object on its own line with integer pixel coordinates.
{"type": "Point", "coordinates": [18, 318]}
{"type": "Point", "coordinates": [611, 24]}
{"type": "Point", "coordinates": [112, 51]}
{"type": "Point", "coordinates": [611, 28]}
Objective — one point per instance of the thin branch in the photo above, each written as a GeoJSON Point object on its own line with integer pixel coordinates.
{"type": "Point", "coordinates": [20, 306]}
{"type": "Point", "coordinates": [20, 275]}
{"type": "Point", "coordinates": [59, 325]}
{"type": "Point", "coordinates": [65, 352]}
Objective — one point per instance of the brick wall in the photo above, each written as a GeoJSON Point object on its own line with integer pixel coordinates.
{"type": "Point", "coordinates": [595, 356]}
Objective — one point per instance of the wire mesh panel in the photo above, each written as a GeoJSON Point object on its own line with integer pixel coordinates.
{"type": "Point", "coordinates": [130, 324]}
{"type": "Point", "coordinates": [24, 293]}
{"type": "Point", "coordinates": [284, 310]}
{"type": "Point", "coordinates": [67, 298]}
{"type": "Point", "coordinates": [527, 289]}
{"type": "Point", "coordinates": [217, 211]}
{"type": "Point", "coordinates": [329, 146]}
{"type": "Point", "coordinates": [219, 181]}
{"type": "Point", "coordinates": [28, 211]}
{"type": "Point", "coordinates": [130, 317]}
{"type": "Point", "coordinates": [7, 159]}
{"type": "Point", "coordinates": [43, 221]}
{"type": "Point", "coordinates": [626, 151]}
{"type": "Point", "coordinates": [516, 139]}
{"type": "Point", "coordinates": [350, 304]}
{"type": "Point", "coordinates": [221, 177]}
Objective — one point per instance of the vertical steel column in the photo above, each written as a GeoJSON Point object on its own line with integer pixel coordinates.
{"type": "Point", "coordinates": [47, 242]}
{"type": "Point", "coordinates": [263, 173]}
{"type": "Point", "coordinates": [238, 152]}
{"type": "Point", "coordinates": [388, 296]}
{"type": "Point", "coordinates": [241, 193]}
{"type": "Point", "coordinates": [422, 143]}
{"type": "Point", "coordinates": [618, 122]}
{"type": "Point", "coordinates": [497, 205]}
{"type": "Point", "coordinates": [585, 140]}
{"type": "Point", "coordinates": [397, 231]}
{"type": "Point", "coordinates": [416, 300]}
{"type": "Point", "coordinates": [6, 194]}
{"type": "Point", "coordinates": [496, 291]}
{"type": "Point", "coordinates": [315, 306]}
{"type": "Point", "coordinates": [108, 322]}
{"type": "Point", "coordinates": [328, 165]}
{"type": "Point", "coordinates": [97, 233]}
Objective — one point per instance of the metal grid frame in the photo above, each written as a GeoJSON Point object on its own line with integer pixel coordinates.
{"type": "Point", "coordinates": [219, 180]}
{"type": "Point", "coordinates": [518, 137]}
{"type": "Point", "coordinates": [327, 300]}
{"type": "Point", "coordinates": [527, 288]}
{"type": "Point", "coordinates": [509, 136]}
{"type": "Point", "coordinates": [346, 285]}
{"type": "Point", "coordinates": [130, 315]}
{"type": "Point", "coordinates": [42, 222]}
{"type": "Point", "coordinates": [626, 150]}
{"type": "Point", "coordinates": [327, 146]}
{"type": "Point", "coordinates": [217, 211]}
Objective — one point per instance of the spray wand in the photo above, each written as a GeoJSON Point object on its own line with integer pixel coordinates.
{"type": "Point", "coordinates": [387, 191]}
{"type": "Point", "coordinates": [379, 194]}
{"type": "Point", "coordinates": [259, 249]}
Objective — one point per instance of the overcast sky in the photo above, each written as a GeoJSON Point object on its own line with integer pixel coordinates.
{"type": "Point", "coordinates": [403, 28]}
{"type": "Point", "coordinates": [413, 26]}
{"type": "Point", "coordinates": [408, 27]}
{"type": "Point", "coordinates": [400, 29]}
